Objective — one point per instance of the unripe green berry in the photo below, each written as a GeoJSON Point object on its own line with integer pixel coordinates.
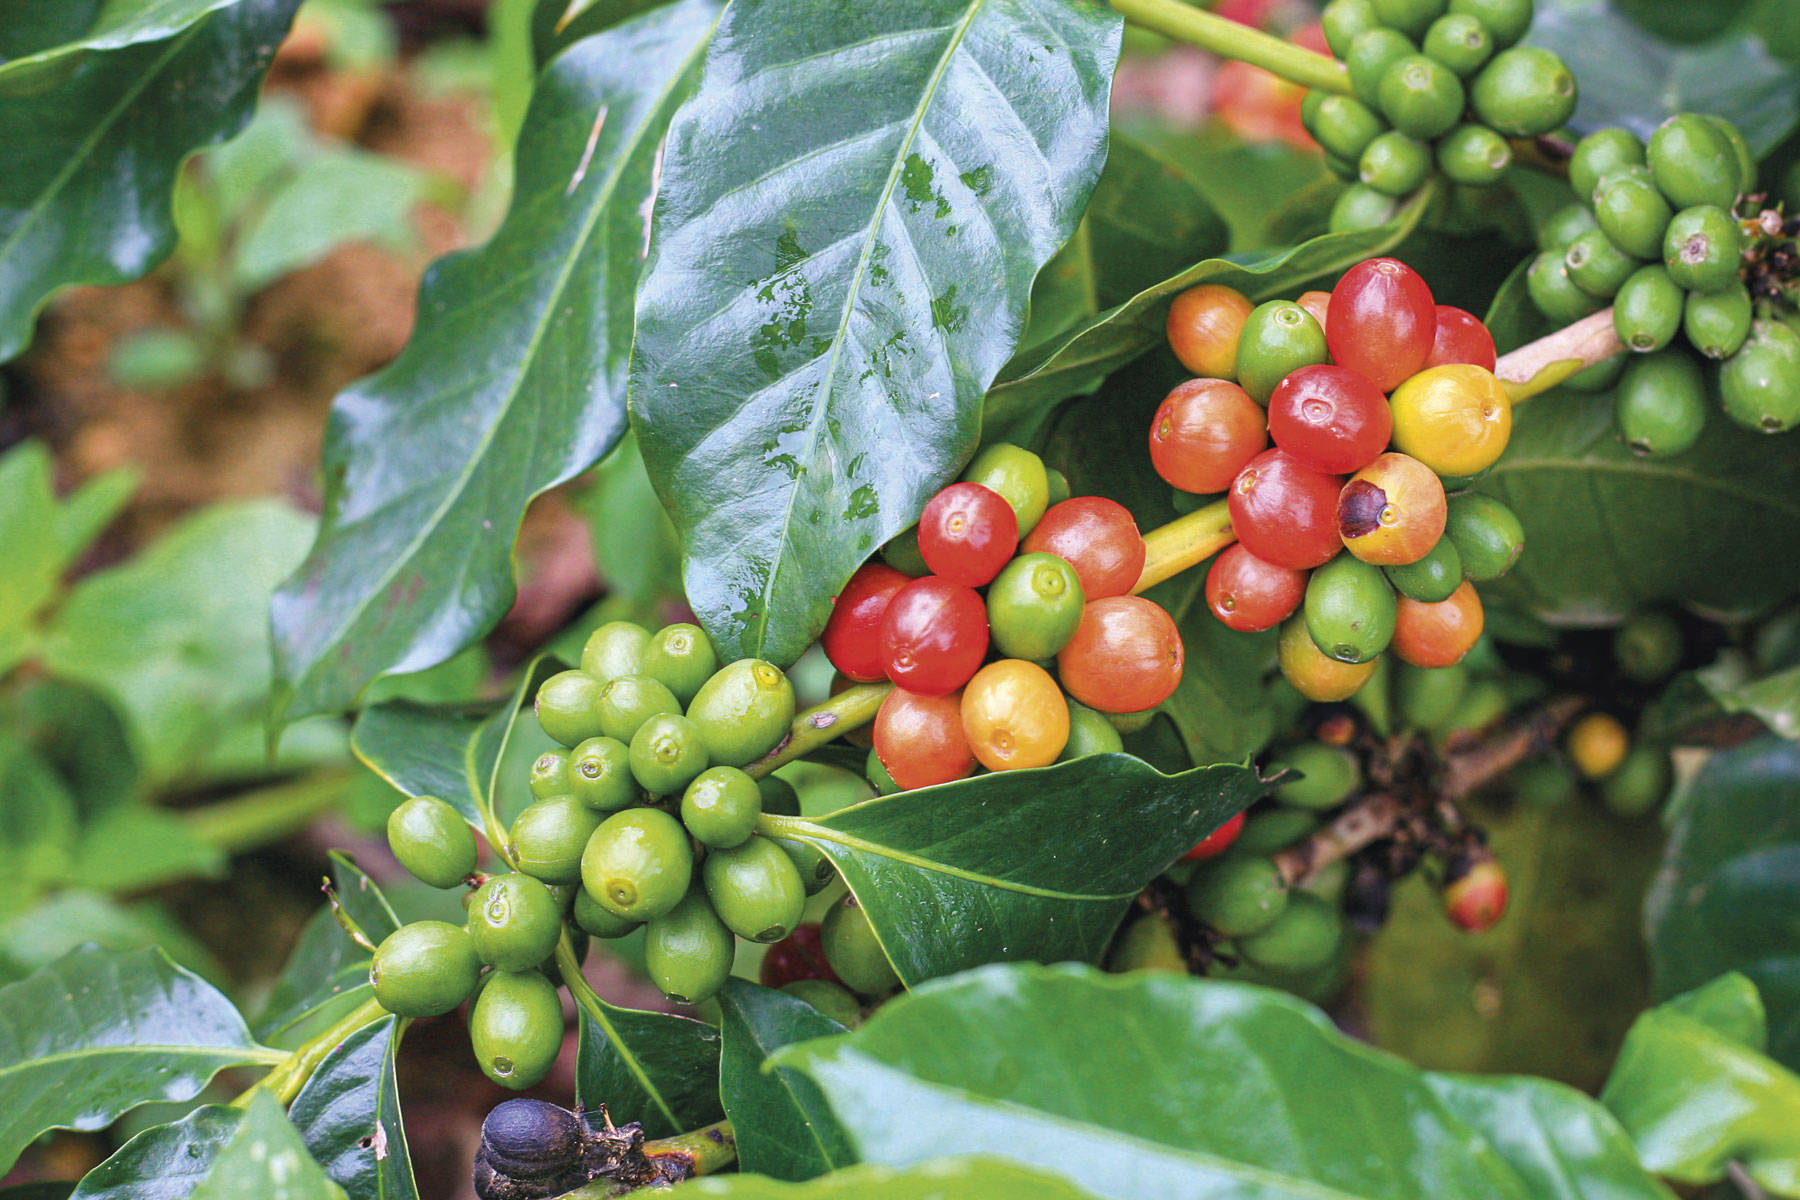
{"type": "Point", "coordinates": [1325, 776]}
{"type": "Point", "coordinates": [853, 950]}
{"type": "Point", "coordinates": [630, 700]}
{"type": "Point", "coordinates": [1567, 224]}
{"type": "Point", "coordinates": [1278, 336]}
{"type": "Point", "coordinates": [720, 807]}
{"type": "Point", "coordinates": [568, 707]}
{"type": "Point", "coordinates": [514, 922]}
{"type": "Point", "coordinates": [1270, 829]}
{"type": "Point", "coordinates": [616, 648]}
{"type": "Point", "coordinates": [516, 1028]}
{"type": "Point", "coordinates": [1760, 384]}
{"type": "Point", "coordinates": [1703, 248]}
{"type": "Point", "coordinates": [1524, 92]}
{"type": "Point", "coordinates": [1018, 476]}
{"type": "Point", "coordinates": [1599, 154]}
{"type": "Point", "coordinates": [1633, 212]}
{"type": "Point", "coordinates": [1474, 155]}
{"type": "Point", "coordinates": [830, 999]}
{"type": "Point", "coordinates": [1648, 646]}
{"type": "Point", "coordinates": [1395, 164]}
{"type": "Point", "coordinates": [638, 864]}
{"type": "Point", "coordinates": [1660, 405]}
{"type": "Point", "coordinates": [1343, 125]}
{"type": "Point", "coordinates": [1459, 41]}
{"type": "Point", "coordinates": [1596, 266]}
{"type": "Point", "coordinates": [1306, 935]}
{"type": "Point", "coordinates": [688, 951]}
{"type": "Point", "coordinates": [1421, 97]}
{"type": "Point", "coordinates": [432, 841]}
{"type": "Point", "coordinates": [548, 838]}
{"type": "Point", "coordinates": [756, 889]}
{"type": "Point", "coordinates": [1716, 323]}
{"type": "Point", "coordinates": [1505, 20]}
{"type": "Point", "coordinates": [550, 774]}
{"type": "Point", "coordinates": [1640, 783]}
{"type": "Point", "coordinates": [600, 774]}
{"type": "Point", "coordinates": [424, 969]}
{"type": "Point", "coordinates": [1647, 310]}
{"type": "Point", "coordinates": [594, 919]}
{"type": "Point", "coordinates": [1369, 58]}
{"type": "Point", "coordinates": [681, 658]}
{"type": "Point", "coordinates": [1431, 579]}
{"type": "Point", "coordinates": [1238, 895]}
{"type": "Point", "coordinates": [1554, 292]}
{"type": "Point", "coordinates": [667, 752]}
{"type": "Point", "coordinates": [1361, 207]}
{"type": "Point", "coordinates": [1411, 17]}
{"type": "Point", "coordinates": [1487, 535]}
{"type": "Point", "coordinates": [1427, 696]}
{"type": "Point", "coordinates": [1089, 733]}
{"type": "Point", "coordinates": [1694, 162]}
{"type": "Point", "coordinates": [744, 711]}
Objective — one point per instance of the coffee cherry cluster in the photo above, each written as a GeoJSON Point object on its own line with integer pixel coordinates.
{"type": "Point", "coordinates": [1661, 233]}
{"type": "Point", "coordinates": [1438, 87]}
{"type": "Point", "coordinates": [997, 604]}
{"type": "Point", "coordinates": [1380, 402]}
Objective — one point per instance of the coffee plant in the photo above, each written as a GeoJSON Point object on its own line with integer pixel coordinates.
{"type": "Point", "coordinates": [1138, 663]}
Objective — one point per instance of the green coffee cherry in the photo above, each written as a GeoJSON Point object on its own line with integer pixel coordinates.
{"type": "Point", "coordinates": [1567, 224]}
{"type": "Point", "coordinates": [1524, 92]}
{"type": "Point", "coordinates": [879, 777]}
{"type": "Point", "coordinates": [1033, 606]}
{"type": "Point", "coordinates": [1647, 311]}
{"type": "Point", "coordinates": [1544, 783]}
{"type": "Point", "coordinates": [1089, 733]}
{"type": "Point", "coordinates": [1328, 775]}
{"type": "Point", "coordinates": [1278, 336]}
{"type": "Point", "coordinates": [1147, 944]}
{"type": "Point", "coordinates": [1487, 535]}
{"type": "Point", "coordinates": [1304, 936]}
{"type": "Point", "coordinates": [1272, 829]}
{"type": "Point", "coordinates": [1343, 20]}
{"type": "Point", "coordinates": [1633, 212]}
{"type": "Point", "coordinates": [778, 796]}
{"type": "Point", "coordinates": [1598, 267]}
{"type": "Point", "coordinates": [1421, 97]}
{"type": "Point", "coordinates": [1474, 155]}
{"type": "Point", "coordinates": [432, 841]}
{"type": "Point", "coordinates": [550, 774]}
{"type": "Point", "coordinates": [424, 969]}
{"type": "Point", "coordinates": [1343, 125]}
{"type": "Point", "coordinates": [549, 836]}
{"type": "Point", "coordinates": [1648, 646]}
{"type": "Point", "coordinates": [616, 648]}
{"type": "Point", "coordinates": [720, 807]}
{"type": "Point", "coordinates": [830, 999]}
{"type": "Point", "coordinates": [568, 707]}
{"type": "Point", "coordinates": [1395, 164]}
{"type": "Point", "coordinates": [667, 752]}
{"type": "Point", "coordinates": [1059, 486]}
{"type": "Point", "coordinates": [1130, 723]}
{"type": "Point", "coordinates": [1660, 405]}
{"type": "Point", "coordinates": [756, 889]}
{"type": "Point", "coordinates": [1238, 895]}
{"type": "Point", "coordinates": [816, 870]}
{"type": "Point", "coordinates": [1760, 384]}
{"type": "Point", "coordinates": [1350, 609]}
{"type": "Point", "coordinates": [854, 952]}
{"type": "Point", "coordinates": [1554, 292]}
{"type": "Point", "coordinates": [688, 951]}
{"type": "Point", "coordinates": [630, 700]}
{"type": "Point", "coordinates": [1431, 579]}
{"type": "Point", "coordinates": [1370, 56]}
{"type": "Point", "coordinates": [743, 711]}
{"type": "Point", "coordinates": [1694, 162]}
{"type": "Point", "coordinates": [599, 771]}
{"type": "Point", "coordinates": [902, 554]}
{"type": "Point", "coordinates": [638, 864]}
{"type": "Point", "coordinates": [1703, 248]}
{"type": "Point", "coordinates": [681, 658]}
{"type": "Point", "coordinates": [591, 918]}
{"type": "Point", "coordinates": [1484, 703]}
{"type": "Point", "coordinates": [1361, 207]}
{"type": "Point", "coordinates": [1716, 323]}
{"type": "Point", "coordinates": [1746, 161]}
{"type": "Point", "coordinates": [1344, 168]}
{"type": "Point", "coordinates": [1427, 697]}
{"type": "Point", "coordinates": [1601, 152]}
{"type": "Point", "coordinates": [1018, 476]}
{"type": "Point", "coordinates": [516, 1028]}
{"type": "Point", "coordinates": [1640, 783]}
{"type": "Point", "coordinates": [1505, 20]}
{"type": "Point", "coordinates": [1459, 41]}
{"type": "Point", "coordinates": [514, 922]}
{"type": "Point", "coordinates": [1411, 17]}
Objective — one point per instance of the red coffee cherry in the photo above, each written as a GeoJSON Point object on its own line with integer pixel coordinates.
{"type": "Point", "coordinates": [1204, 433]}
{"type": "Point", "coordinates": [1098, 538]}
{"type": "Point", "coordinates": [795, 957]}
{"type": "Point", "coordinates": [1284, 512]}
{"type": "Point", "coordinates": [1250, 595]}
{"type": "Point", "coordinates": [1125, 657]}
{"type": "Point", "coordinates": [852, 637]}
{"type": "Point", "coordinates": [1329, 418]}
{"type": "Point", "coordinates": [1217, 842]}
{"type": "Point", "coordinates": [1461, 338]}
{"type": "Point", "coordinates": [1382, 322]}
{"type": "Point", "coordinates": [967, 533]}
{"type": "Point", "coordinates": [920, 739]}
{"type": "Point", "coordinates": [933, 635]}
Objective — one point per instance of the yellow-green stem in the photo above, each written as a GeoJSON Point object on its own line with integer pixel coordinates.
{"type": "Point", "coordinates": [1228, 39]}
{"type": "Point", "coordinates": [268, 814]}
{"type": "Point", "coordinates": [292, 1072]}
{"type": "Point", "coordinates": [822, 723]}
{"type": "Point", "coordinates": [704, 1151]}
{"type": "Point", "coordinates": [1183, 543]}
{"type": "Point", "coordinates": [1538, 366]}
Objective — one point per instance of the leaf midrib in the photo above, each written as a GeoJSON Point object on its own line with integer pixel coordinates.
{"type": "Point", "coordinates": [1649, 471]}
{"type": "Point", "coordinates": [245, 1054]}
{"type": "Point", "coordinates": [812, 1129]}
{"type": "Point", "coordinates": [802, 828]}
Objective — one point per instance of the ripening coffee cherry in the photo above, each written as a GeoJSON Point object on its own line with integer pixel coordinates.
{"type": "Point", "coordinates": [1422, 97]}
{"type": "Point", "coordinates": [1284, 511]}
{"type": "Point", "coordinates": [1456, 419]}
{"type": "Point", "coordinates": [1370, 55]}
{"type": "Point", "coordinates": [1015, 716]}
{"type": "Point", "coordinates": [1382, 322]}
{"type": "Point", "coordinates": [720, 807]}
{"type": "Point", "coordinates": [1476, 900]}
{"type": "Point", "coordinates": [432, 841]}
{"type": "Point", "coordinates": [549, 835]}
{"type": "Point", "coordinates": [424, 969]}
{"type": "Point", "coordinates": [799, 955]}
{"type": "Point", "coordinates": [756, 889]}
{"type": "Point", "coordinates": [1305, 936]}
{"type": "Point", "coordinates": [1461, 337]}
{"type": "Point", "coordinates": [854, 951]}
{"type": "Point", "coordinates": [1524, 92]}
{"type": "Point", "coordinates": [1597, 744]}
{"type": "Point", "coordinates": [1279, 336]}
{"type": "Point", "coordinates": [1487, 535]}
{"type": "Point", "coordinates": [1392, 512]}
{"type": "Point", "coordinates": [1096, 536]}
{"type": "Point", "coordinates": [514, 922]}
{"type": "Point", "coordinates": [638, 864]}
{"type": "Point", "coordinates": [630, 700]}
{"type": "Point", "coordinates": [1694, 163]}
{"type": "Point", "coordinates": [516, 1028]}
{"type": "Point", "coordinates": [1250, 595]}
{"type": "Point", "coordinates": [616, 648]}
{"type": "Point", "coordinates": [744, 711]}
{"type": "Point", "coordinates": [1760, 384]}
{"type": "Point", "coordinates": [1090, 732]}
{"type": "Point", "coordinates": [688, 951]}
{"type": "Point", "coordinates": [920, 739]}
{"type": "Point", "coordinates": [1350, 610]}
{"type": "Point", "coordinates": [1474, 155]}
{"type": "Point", "coordinates": [1647, 311]}
{"type": "Point", "coordinates": [1034, 606]}
{"type": "Point", "coordinates": [667, 752]}
{"type": "Point", "coordinates": [599, 772]}
{"type": "Point", "coordinates": [1331, 419]}
{"type": "Point", "coordinates": [1661, 401]}
{"type": "Point", "coordinates": [1018, 476]}
{"type": "Point", "coordinates": [1599, 154]}
{"type": "Point", "coordinates": [1217, 842]}
{"type": "Point", "coordinates": [1323, 776]}
{"type": "Point", "coordinates": [1437, 635]}
{"type": "Point", "coordinates": [1203, 328]}
{"type": "Point", "coordinates": [1238, 896]}
{"type": "Point", "coordinates": [1703, 248]}
{"type": "Point", "coordinates": [1312, 672]}
{"type": "Point", "coordinates": [1433, 577]}
{"type": "Point", "coordinates": [568, 707]}
{"type": "Point", "coordinates": [852, 637]}
{"type": "Point", "coordinates": [967, 533]}
{"type": "Point", "coordinates": [1203, 433]}
{"type": "Point", "coordinates": [1126, 656]}
{"type": "Point", "coordinates": [1718, 323]}
{"type": "Point", "coordinates": [550, 774]}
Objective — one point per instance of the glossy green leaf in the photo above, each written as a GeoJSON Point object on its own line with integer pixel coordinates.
{"type": "Point", "coordinates": [1774, 699]}
{"type": "Point", "coordinates": [934, 1179]}
{"type": "Point", "coordinates": [80, 1039]}
{"type": "Point", "coordinates": [1162, 1085]}
{"type": "Point", "coordinates": [1729, 887]}
{"type": "Point", "coordinates": [165, 1162]}
{"type": "Point", "coordinates": [652, 1067]}
{"type": "Point", "coordinates": [1695, 1098]}
{"type": "Point", "coordinates": [1630, 77]}
{"type": "Point", "coordinates": [558, 24]}
{"type": "Point", "coordinates": [1608, 533]}
{"type": "Point", "coordinates": [349, 1115]}
{"type": "Point", "coordinates": [113, 26]}
{"type": "Point", "coordinates": [93, 150]}
{"type": "Point", "coordinates": [265, 1158]}
{"type": "Point", "coordinates": [854, 206]}
{"type": "Point", "coordinates": [784, 1127]}
{"type": "Point", "coordinates": [48, 1190]}
{"type": "Point", "coordinates": [1078, 360]}
{"type": "Point", "coordinates": [1018, 864]}
{"type": "Point", "coordinates": [513, 382]}
{"type": "Point", "coordinates": [327, 973]}
{"type": "Point", "coordinates": [178, 636]}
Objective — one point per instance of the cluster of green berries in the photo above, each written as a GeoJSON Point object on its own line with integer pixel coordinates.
{"type": "Point", "coordinates": [1659, 234]}
{"type": "Point", "coordinates": [1438, 86]}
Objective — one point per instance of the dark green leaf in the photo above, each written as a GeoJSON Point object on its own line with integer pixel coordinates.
{"type": "Point", "coordinates": [327, 974]}
{"type": "Point", "coordinates": [854, 206]}
{"type": "Point", "coordinates": [935, 1179]}
{"type": "Point", "coordinates": [165, 1162]}
{"type": "Point", "coordinates": [1774, 699]}
{"type": "Point", "coordinates": [94, 142]}
{"type": "Point", "coordinates": [652, 1067]}
{"type": "Point", "coordinates": [783, 1126]}
{"type": "Point", "coordinates": [38, 1191]}
{"type": "Point", "coordinates": [1608, 533]}
{"type": "Point", "coordinates": [265, 1158]}
{"type": "Point", "coordinates": [349, 1115]}
{"type": "Point", "coordinates": [1020, 864]}
{"type": "Point", "coordinates": [513, 381]}
{"type": "Point", "coordinates": [80, 1039]}
{"type": "Point", "coordinates": [1161, 1085]}
{"type": "Point", "coordinates": [1221, 708]}
{"type": "Point", "coordinates": [1695, 1098]}
{"type": "Point", "coordinates": [558, 24]}
{"type": "Point", "coordinates": [1729, 887]}
{"type": "Point", "coordinates": [117, 26]}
